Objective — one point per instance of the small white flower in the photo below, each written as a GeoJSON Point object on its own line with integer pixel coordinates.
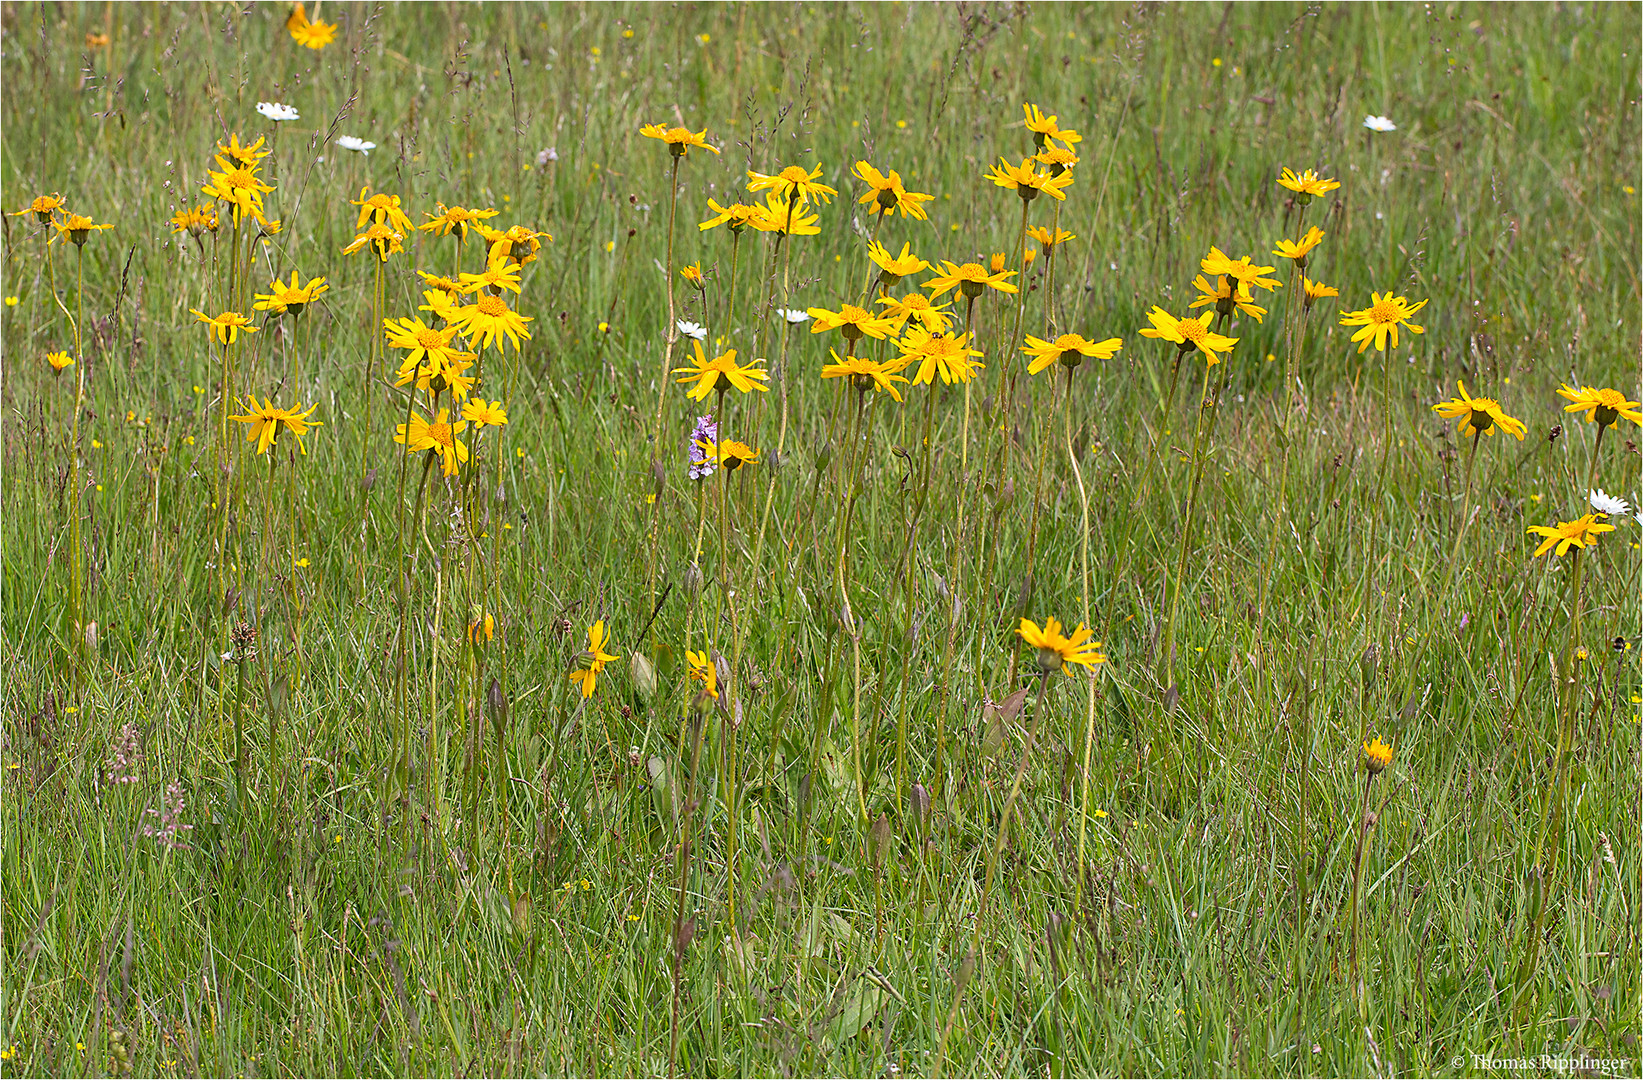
{"type": "Point", "coordinates": [348, 142]}
{"type": "Point", "coordinates": [545, 156]}
{"type": "Point", "coordinates": [793, 316]}
{"type": "Point", "coordinates": [1604, 503]}
{"type": "Point", "coordinates": [277, 112]}
{"type": "Point", "coordinates": [690, 329]}
{"type": "Point", "coordinates": [1379, 123]}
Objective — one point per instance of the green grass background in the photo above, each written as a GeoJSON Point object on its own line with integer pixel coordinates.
{"type": "Point", "coordinates": [317, 925]}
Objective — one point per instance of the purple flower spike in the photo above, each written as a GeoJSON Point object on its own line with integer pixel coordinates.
{"type": "Point", "coordinates": [705, 431]}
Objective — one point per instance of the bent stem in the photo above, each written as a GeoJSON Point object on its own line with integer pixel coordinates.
{"type": "Point", "coordinates": [1204, 406]}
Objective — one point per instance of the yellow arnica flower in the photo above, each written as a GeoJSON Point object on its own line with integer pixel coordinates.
{"type": "Point", "coordinates": [1479, 415]}
{"type": "Point", "coordinates": [865, 374]}
{"type": "Point", "coordinates": [705, 373]}
{"type": "Point", "coordinates": [1381, 319]}
{"type": "Point", "coordinates": [693, 274]}
{"type": "Point", "coordinates": [292, 298]}
{"type": "Point", "coordinates": [737, 215]}
{"type": "Point", "coordinates": [1056, 649]}
{"type": "Point", "coordinates": [703, 671]}
{"type": "Point", "coordinates": [1603, 407]}
{"type": "Point", "coordinates": [1376, 755]}
{"type": "Point", "coordinates": [1188, 334]}
{"type": "Point", "coordinates": [1058, 158]}
{"type": "Point", "coordinates": [851, 321]}
{"type": "Point", "coordinates": [265, 422]}
{"type": "Point", "coordinates": [895, 267]}
{"type": "Point", "coordinates": [1048, 239]}
{"type": "Point", "coordinates": [442, 302]}
{"type": "Point", "coordinates": [1316, 290]}
{"type": "Point", "coordinates": [439, 372]}
{"type": "Point", "coordinates": [195, 220]}
{"type": "Point", "coordinates": [518, 242]}
{"type": "Point", "coordinates": [730, 454]}
{"type": "Point", "coordinates": [1298, 249]}
{"type": "Point", "coordinates": [482, 414]}
{"type": "Point", "coordinates": [792, 183]}
{"type": "Point", "coordinates": [311, 35]}
{"type": "Point", "coordinates": [247, 154]}
{"type": "Point", "coordinates": [482, 630]}
{"type": "Point", "coordinates": [1308, 183]}
{"type": "Point", "coordinates": [1045, 128]}
{"type": "Point", "coordinates": [76, 228]}
{"type": "Point", "coordinates": [42, 207]}
{"type": "Point", "coordinates": [381, 208]}
{"type": "Point", "coordinates": [970, 278]}
{"type": "Point", "coordinates": [1243, 270]}
{"type": "Point", "coordinates": [920, 308]}
{"type": "Point", "coordinates": [1068, 350]}
{"type": "Point", "coordinates": [453, 220]}
{"type": "Point", "coordinates": [489, 320]}
{"type": "Point", "coordinates": [59, 361]}
{"type": "Point", "coordinates": [383, 240]}
{"type": "Point", "coordinates": [422, 343]}
{"type": "Point", "coordinates": [237, 185]}
{"type": "Point", "coordinates": [886, 195]}
{"type": "Point", "coordinates": [1582, 532]}
{"type": "Point", "coordinates": [440, 437]}
{"type": "Point", "coordinates": [938, 354]}
{"type": "Point", "coordinates": [499, 275]}
{"type": "Point", "coordinates": [1226, 294]}
{"type": "Point", "coordinates": [1027, 182]}
{"type": "Point", "coordinates": [778, 215]}
{"type": "Point", "coordinates": [225, 328]}
{"type": "Point", "coordinates": [679, 139]}
{"type": "Point", "coordinates": [594, 660]}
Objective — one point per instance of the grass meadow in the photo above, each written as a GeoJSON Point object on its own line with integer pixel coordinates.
{"type": "Point", "coordinates": [617, 742]}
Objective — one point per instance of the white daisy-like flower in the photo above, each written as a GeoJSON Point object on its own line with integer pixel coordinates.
{"type": "Point", "coordinates": [693, 330]}
{"type": "Point", "coordinates": [277, 112]}
{"type": "Point", "coordinates": [1379, 123]}
{"type": "Point", "coordinates": [1604, 503]}
{"type": "Point", "coordinates": [793, 316]}
{"type": "Point", "coordinates": [348, 142]}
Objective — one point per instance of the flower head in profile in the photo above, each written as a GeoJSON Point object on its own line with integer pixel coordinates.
{"type": "Point", "coordinates": [704, 671]}
{"type": "Point", "coordinates": [225, 328]}
{"type": "Point", "coordinates": [310, 35]}
{"type": "Point", "coordinates": [892, 268]}
{"type": "Point", "coordinates": [1068, 350]}
{"type": "Point", "coordinates": [483, 414]}
{"type": "Point", "coordinates": [518, 242]}
{"type": "Point", "coordinates": [195, 220]}
{"type": "Point", "coordinates": [1058, 158]}
{"type": "Point", "coordinates": [1045, 128]}
{"type": "Point", "coordinates": [382, 208]}
{"type": "Point", "coordinates": [851, 321]}
{"type": "Point", "coordinates": [59, 361]}
{"type": "Point", "coordinates": [679, 139]}
{"type": "Point", "coordinates": [454, 220]}
{"type": "Point", "coordinates": [865, 374]}
{"type": "Point", "coordinates": [382, 240]}
{"type": "Point", "coordinates": [970, 279]}
{"type": "Point", "coordinates": [1027, 181]}
{"type": "Point", "coordinates": [1244, 271]}
{"type": "Point", "coordinates": [1603, 407]}
{"type": "Point", "coordinates": [1378, 123]}
{"type": "Point", "coordinates": [706, 373]}
{"type": "Point", "coordinates": [282, 298]}
{"type": "Point", "coordinates": [693, 274]}
{"type": "Point", "coordinates": [792, 184]}
{"type": "Point", "coordinates": [920, 309]}
{"type": "Point", "coordinates": [1057, 650]}
{"type": "Point", "coordinates": [1188, 334]}
{"type": "Point", "coordinates": [886, 195]}
{"type": "Point", "coordinates": [356, 144]}
{"type": "Point", "coordinates": [1316, 290]}
{"type": "Point", "coordinates": [1607, 505]}
{"type": "Point", "coordinates": [593, 661]}
{"type": "Point", "coordinates": [278, 112]}
{"type": "Point", "coordinates": [938, 354]}
{"type": "Point", "coordinates": [793, 316]}
{"type": "Point", "coordinates": [1307, 183]}
{"type": "Point", "coordinates": [1225, 295]}
{"type": "Point", "coordinates": [1381, 319]}
{"type": "Point", "coordinates": [778, 215]}
{"type": "Point", "coordinates": [1581, 532]}
{"type": "Point", "coordinates": [438, 437]}
{"type": "Point", "coordinates": [1049, 240]}
{"type": "Point", "coordinates": [264, 423]}
{"type": "Point", "coordinates": [705, 433]}
{"type": "Point", "coordinates": [42, 207]}
{"type": "Point", "coordinates": [1479, 415]}
{"type": "Point", "coordinates": [691, 329]}
{"type": "Point", "coordinates": [498, 275]}
{"type": "Point", "coordinates": [1299, 249]}
{"type": "Point", "coordinates": [489, 321]}
{"type": "Point", "coordinates": [737, 215]}
{"type": "Point", "coordinates": [1376, 755]}
{"type": "Point", "coordinates": [76, 228]}
{"type": "Point", "coordinates": [249, 155]}
{"type": "Point", "coordinates": [729, 455]}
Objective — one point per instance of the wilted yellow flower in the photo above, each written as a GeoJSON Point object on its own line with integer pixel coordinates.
{"type": "Point", "coordinates": [381, 208]}
{"type": "Point", "coordinates": [737, 215]}
{"type": "Point", "coordinates": [42, 207]}
{"type": "Point", "coordinates": [383, 240]}
{"type": "Point", "coordinates": [1045, 128]}
{"type": "Point", "coordinates": [1376, 755]}
{"type": "Point", "coordinates": [895, 267]}
{"type": "Point", "coordinates": [1225, 295]}
{"type": "Point", "coordinates": [1299, 249]}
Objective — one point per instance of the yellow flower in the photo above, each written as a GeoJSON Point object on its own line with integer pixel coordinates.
{"type": "Point", "coordinates": [1055, 649]}
{"type": "Point", "coordinates": [705, 373]}
{"type": "Point", "coordinates": [730, 454]}
{"type": "Point", "coordinates": [1048, 239]}
{"type": "Point", "coordinates": [1382, 318]}
{"type": "Point", "coordinates": [970, 278]}
{"type": "Point", "coordinates": [895, 267]}
{"type": "Point", "coordinates": [1316, 290]}
{"type": "Point", "coordinates": [238, 185]}
{"type": "Point", "coordinates": [679, 139]}
{"type": "Point", "coordinates": [1298, 249]}
{"type": "Point", "coordinates": [424, 345]}
{"type": "Point", "coordinates": [1068, 350]}
{"type": "Point", "coordinates": [1479, 415]}
{"type": "Point", "coordinates": [11, 301]}
{"type": "Point", "coordinates": [439, 437]}
{"type": "Point", "coordinates": [737, 215]}
{"type": "Point", "coordinates": [693, 274]}
{"type": "Point", "coordinates": [938, 354]}
{"type": "Point", "coordinates": [1604, 407]}
{"type": "Point", "coordinates": [498, 275]}
{"type": "Point", "coordinates": [383, 240]}
{"type": "Point", "coordinates": [265, 422]}
{"type": "Point", "coordinates": [1376, 755]}
{"type": "Point", "coordinates": [482, 628]}
{"type": "Point", "coordinates": [595, 659]}
{"type": "Point", "coordinates": [312, 35]}
{"type": "Point", "coordinates": [1225, 295]}
{"type": "Point", "coordinates": [778, 215]}
{"type": "Point", "coordinates": [886, 195]}
{"type": "Point", "coordinates": [865, 374]}
{"type": "Point", "coordinates": [1027, 182]}
{"type": "Point", "coordinates": [792, 183]}
{"type": "Point", "coordinates": [247, 154]}
{"type": "Point", "coordinates": [1308, 183]}
{"type": "Point", "coordinates": [482, 414]}
{"type": "Point", "coordinates": [921, 308]}
{"type": "Point", "coordinates": [225, 328]}
{"type": "Point", "coordinates": [1045, 128]}
{"type": "Point", "coordinates": [290, 298]}
{"type": "Point", "coordinates": [853, 322]}
{"type": "Point", "coordinates": [1243, 271]}
{"type": "Point", "coordinates": [1579, 533]}
{"type": "Point", "coordinates": [1188, 334]}
{"type": "Point", "coordinates": [42, 207]}
{"type": "Point", "coordinates": [453, 220]}
{"type": "Point", "coordinates": [703, 670]}
{"type": "Point", "coordinates": [504, 244]}
{"type": "Point", "coordinates": [1058, 158]}
{"type": "Point", "coordinates": [195, 220]}
{"type": "Point", "coordinates": [76, 228]}
{"type": "Point", "coordinates": [381, 208]}
{"type": "Point", "coordinates": [488, 320]}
